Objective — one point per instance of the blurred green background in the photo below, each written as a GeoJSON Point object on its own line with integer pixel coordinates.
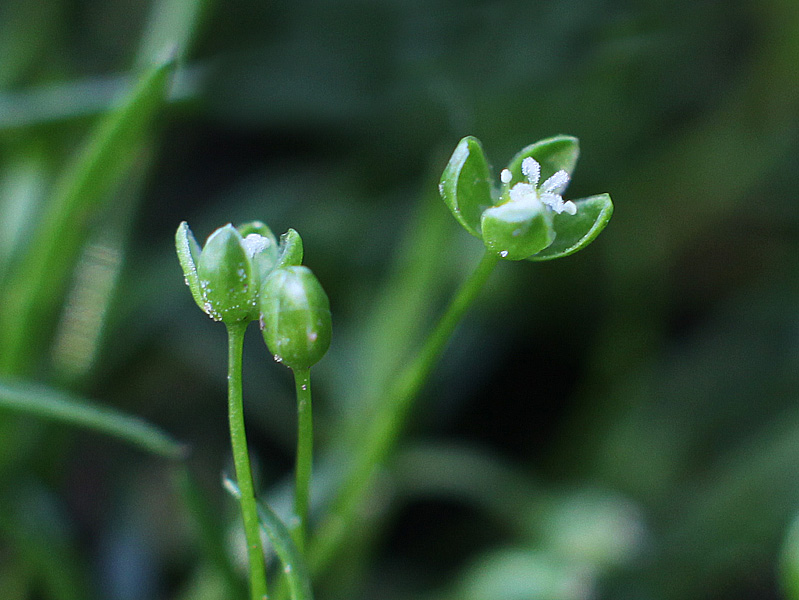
{"type": "Point", "coordinates": [620, 424]}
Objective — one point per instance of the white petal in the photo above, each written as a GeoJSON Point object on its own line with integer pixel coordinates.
{"type": "Point", "coordinates": [522, 192]}
{"type": "Point", "coordinates": [505, 176]}
{"type": "Point", "coordinates": [531, 170]}
{"type": "Point", "coordinates": [556, 183]}
{"type": "Point", "coordinates": [254, 244]}
{"type": "Point", "coordinates": [570, 207]}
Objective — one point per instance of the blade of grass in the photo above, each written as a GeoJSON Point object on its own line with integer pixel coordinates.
{"type": "Point", "coordinates": [34, 525]}
{"type": "Point", "coordinates": [209, 530]}
{"type": "Point", "coordinates": [81, 327]}
{"type": "Point", "coordinates": [404, 307]}
{"type": "Point", "coordinates": [23, 182]}
{"type": "Point", "coordinates": [294, 567]}
{"type": "Point", "coordinates": [172, 24]}
{"type": "Point", "coordinates": [70, 101]}
{"type": "Point", "coordinates": [26, 31]}
{"type": "Point", "coordinates": [47, 403]}
{"type": "Point", "coordinates": [35, 286]}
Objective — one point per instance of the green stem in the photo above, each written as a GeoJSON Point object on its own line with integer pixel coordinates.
{"type": "Point", "coordinates": [384, 430]}
{"type": "Point", "coordinates": [241, 458]}
{"type": "Point", "coordinates": [302, 380]}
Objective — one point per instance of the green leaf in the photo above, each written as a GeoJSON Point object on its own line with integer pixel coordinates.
{"type": "Point", "coordinates": [553, 154]}
{"type": "Point", "coordinates": [188, 252]}
{"type": "Point", "coordinates": [48, 403]}
{"type": "Point", "coordinates": [291, 250]}
{"type": "Point", "coordinates": [575, 232]}
{"type": "Point", "coordinates": [294, 566]}
{"type": "Point", "coordinates": [466, 184]}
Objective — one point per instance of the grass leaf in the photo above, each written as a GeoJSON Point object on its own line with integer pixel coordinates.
{"type": "Point", "coordinates": [48, 403]}
{"type": "Point", "coordinates": [35, 287]}
{"type": "Point", "coordinates": [294, 566]}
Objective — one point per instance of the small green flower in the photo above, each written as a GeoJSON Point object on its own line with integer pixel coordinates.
{"type": "Point", "coordinates": [528, 220]}
{"type": "Point", "coordinates": [225, 276]}
{"type": "Point", "coordinates": [295, 317]}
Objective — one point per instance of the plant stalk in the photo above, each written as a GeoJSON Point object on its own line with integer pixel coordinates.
{"type": "Point", "coordinates": [241, 458]}
{"type": "Point", "coordinates": [302, 485]}
{"type": "Point", "coordinates": [392, 411]}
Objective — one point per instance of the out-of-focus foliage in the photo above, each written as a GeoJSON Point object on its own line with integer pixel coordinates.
{"type": "Point", "coordinates": [623, 423]}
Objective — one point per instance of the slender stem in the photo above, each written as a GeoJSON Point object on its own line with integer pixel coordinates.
{"type": "Point", "coordinates": [241, 458]}
{"type": "Point", "coordinates": [302, 485]}
{"type": "Point", "coordinates": [384, 430]}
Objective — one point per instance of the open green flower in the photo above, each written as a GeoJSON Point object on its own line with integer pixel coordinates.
{"type": "Point", "coordinates": [225, 276]}
{"type": "Point", "coordinates": [528, 219]}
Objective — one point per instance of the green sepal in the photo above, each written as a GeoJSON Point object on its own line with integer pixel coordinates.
{"type": "Point", "coordinates": [188, 252]}
{"type": "Point", "coordinates": [575, 232]}
{"type": "Point", "coordinates": [466, 184]}
{"type": "Point", "coordinates": [226, 277]}
{"type": "Point", "coordinates": [553, 154]}
{"type": "Point", "coordinates": [291, 251]}
{"type": "Point", "coordinates": [295, 317]}
{"type": "Point", "coordinates": [514, 231]}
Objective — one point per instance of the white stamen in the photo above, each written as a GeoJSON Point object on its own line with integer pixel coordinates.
{"type": "Point", "coordinates": [547, 193]}
{"type": "Point", "coordinates": [531, 170]}
{"type": "Point", "coordinates": [556, 183]}
{"type": "Point", "coordinates": [255, 243]}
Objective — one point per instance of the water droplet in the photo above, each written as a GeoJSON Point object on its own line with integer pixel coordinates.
{"type": "Point", "coordinates": [504, 253]}
{"type": "Point", "coordinates": [287, 569]}
{"type": "Point", "coordinates": [304, 387]}
{"type": "Point", "coordinates": [278, 359]}
{"type": "Point", "coordinates": [312, 336]}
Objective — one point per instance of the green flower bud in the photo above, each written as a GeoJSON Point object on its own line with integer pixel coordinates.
{"type": "Point", "coordinates": [295, 317]}
{"type": "Point", "coordinates": [224, 277]}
